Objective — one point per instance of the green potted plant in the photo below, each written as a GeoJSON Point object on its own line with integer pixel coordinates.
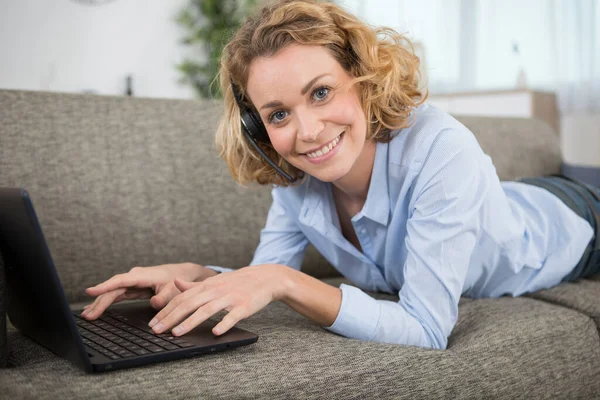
{"type": "Point", "coordinates": [209, 25]}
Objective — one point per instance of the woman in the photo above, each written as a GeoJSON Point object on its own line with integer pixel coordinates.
{"type": "Point", "coordinates": [396, 194]}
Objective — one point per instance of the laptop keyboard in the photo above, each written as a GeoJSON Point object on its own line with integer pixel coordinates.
{"type": "Point", "coordinates": [114, 337]}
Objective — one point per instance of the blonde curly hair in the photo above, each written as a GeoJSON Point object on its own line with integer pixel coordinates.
{"type": "Point", "coordinates": [380, 60]}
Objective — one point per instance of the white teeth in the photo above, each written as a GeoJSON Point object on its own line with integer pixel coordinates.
{"type": "Point", "coordinates": [325, 149]}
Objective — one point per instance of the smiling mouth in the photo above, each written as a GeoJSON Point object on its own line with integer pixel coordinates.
{"type": "Point", "coordinates": [325, 148]}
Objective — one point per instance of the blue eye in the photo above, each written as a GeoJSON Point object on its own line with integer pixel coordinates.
{"type": "Point", "coordinates": [320, 94]}
{"type": "Point", "coordinates": [277, 116]}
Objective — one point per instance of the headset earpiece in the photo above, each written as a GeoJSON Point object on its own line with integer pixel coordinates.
{"type": "Point", "coordinates": [254, 130]}
{"type": "Point", "coordinates": [250, 119]}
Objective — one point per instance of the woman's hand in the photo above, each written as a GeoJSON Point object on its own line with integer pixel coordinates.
{"type": "Point", "coordinates": [242, 293]}
{"type": "Point", "coordinates": [155, 283]}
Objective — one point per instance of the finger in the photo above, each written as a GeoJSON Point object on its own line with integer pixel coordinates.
{"type": "Point", "coordinates": [133, 294]}
{"type": "Point", "coordinates": [164, 296]}
{"type": "Point", "coordinates": [229, 321]}
{"type": "Point", "coordinates": [130, 294]}
{"type": "Point", "coordinates": [97, 307]}
{"type": "Point", "coordinates": [102, 303]}
{"type": "Point", "coordinates": [184, 285]}
{"type": "Point", "coordinates": [92, 305]}
{"type": "Point", "coordinates": [202, 314]}
{"type": "Point", "coordinates": [118, 281]}
{"type": "Point", "coordinates": [178, 309]}
{"type": "Point", "coordinates": [173, 303]}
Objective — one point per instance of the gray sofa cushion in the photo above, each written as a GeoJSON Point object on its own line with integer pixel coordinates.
{"type": "Point", "coordinates": [582, 295]}
{"type": "Point", "coordinates": [498, 348]}
{"type": "Point", "coordinates": [518, 147]}
{"type": "Point", "coordinates": [120, 182]}
{"type": "Point", "coordinates": [504, 348]}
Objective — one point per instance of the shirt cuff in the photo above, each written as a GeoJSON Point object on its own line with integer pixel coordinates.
{"type": "Point", "coordinates": [358, 316]}
{"type": "Point", "coordinates": [218, 269]}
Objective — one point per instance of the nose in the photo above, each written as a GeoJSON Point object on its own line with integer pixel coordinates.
{"type": "Point", "coordinates": [310, 125]}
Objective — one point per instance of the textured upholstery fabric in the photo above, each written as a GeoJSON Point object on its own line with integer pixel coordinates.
{"type": "Point", "coordinates": [505, 349]}
{"type": "Point", "coordinates": [119, 182]}
{"type": "Point", "coordinates": [518, 147]}
{"type": "Point", "coordinates": [582, 295]}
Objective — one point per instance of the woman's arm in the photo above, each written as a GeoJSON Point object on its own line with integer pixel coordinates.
{"type": "Point", "coordinates": [242, 293]}
{"type": "Point", "coordinates": [442, 228]}
{"type": "Point", "coordinates": [309, 296]}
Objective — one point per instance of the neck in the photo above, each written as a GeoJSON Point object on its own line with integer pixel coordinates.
{"type": "Point", "coordinates": [354, 186]}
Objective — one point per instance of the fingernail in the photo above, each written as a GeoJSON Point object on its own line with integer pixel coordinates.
{"type": "Point", "coordinates": [177, 330]}
{"type": "Point", "coordinates": [151, 323]}
{"type": "Point", "coordinates": [85, 312]}
{"type": "Point", "coordinates": [158, 327]}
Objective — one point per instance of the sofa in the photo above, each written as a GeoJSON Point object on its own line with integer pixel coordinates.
{"type": "Point", "coordinates": [119, 182]}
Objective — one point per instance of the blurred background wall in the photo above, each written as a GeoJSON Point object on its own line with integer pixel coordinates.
{"type": "Point", "coordinates": [70, 46]}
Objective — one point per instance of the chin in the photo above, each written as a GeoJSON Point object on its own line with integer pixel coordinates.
{"type": "Point", "coordinates": [329, 174]}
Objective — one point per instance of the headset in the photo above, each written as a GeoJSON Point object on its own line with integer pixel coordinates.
{"type": "Point", "coordinates": [254, 130]}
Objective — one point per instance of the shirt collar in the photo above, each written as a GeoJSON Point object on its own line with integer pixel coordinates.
{"type": "Point", "coordinates": [376, 207]}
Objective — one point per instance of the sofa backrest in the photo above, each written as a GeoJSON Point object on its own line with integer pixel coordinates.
{"type": "Point", "coordinates": [119, 182]}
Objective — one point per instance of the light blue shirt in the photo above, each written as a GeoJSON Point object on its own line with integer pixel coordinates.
{"type": "Point", "coordinates": [437, 224]}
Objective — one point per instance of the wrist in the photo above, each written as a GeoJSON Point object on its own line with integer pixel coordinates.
{"type": "Point", "coordinates": [205, 273]}
{"type": "Point", "coordinates": [285, 280]}
{"type": "Point", "coordinates": [197, 272]}
{"type": "Point", "coordinates": [188, 271]}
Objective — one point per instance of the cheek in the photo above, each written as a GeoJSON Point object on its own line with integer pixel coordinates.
{"type": "Point", "coordinates": [348, 111]}
{"type": "Point", "coordinates": [282, 142]}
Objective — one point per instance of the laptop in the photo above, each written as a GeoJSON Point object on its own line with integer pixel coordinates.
{"type": "Point", "coordinates": [36, 305]}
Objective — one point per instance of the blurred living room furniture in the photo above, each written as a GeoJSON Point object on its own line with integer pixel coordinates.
{"type": "Point", "coordinates": [523, 103]}
{"type": "Point", "coordinates": [578, 132]}
{"type": "Point", "coordinates": [119, 182]}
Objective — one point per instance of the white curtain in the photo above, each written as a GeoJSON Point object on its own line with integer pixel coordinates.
{"type": "Point", "coordinates": [555, 42]}
{"type": "Point", "coordinates": [485, 44]}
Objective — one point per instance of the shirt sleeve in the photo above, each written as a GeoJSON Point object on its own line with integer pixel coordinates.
{"type": "Point", "coordinates": [281, 240]}
{"type": "Point", "coordinates": [442, 229]}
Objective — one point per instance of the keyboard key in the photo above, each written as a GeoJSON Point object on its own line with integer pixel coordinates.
{"type": "Point", "coordinates": [132, 347]}
{"type": "Point", "coordinates": [159, 341]}
{"type": "Point", "coordinates": [112, 336]}
{"type": "Point", "coordinates": [144, 343]}
{"type": "Point", "coordinates": [124, 353]}
{"type": "Point", "coordinates": [181, 343]}
{"type": "Point", "coordinates": [146, 336]}
{"type": "Point", "coordinates": [142, 352]}
{"type": "Point", "coordinates": [155, 349]}
{"type": "Point", "coordinates": [120, 341]}
{"type": "Point", "coordinates": [129, 336]}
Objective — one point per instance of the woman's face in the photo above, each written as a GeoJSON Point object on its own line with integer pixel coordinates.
{"type": "Point", "coordinates": [312, 122]}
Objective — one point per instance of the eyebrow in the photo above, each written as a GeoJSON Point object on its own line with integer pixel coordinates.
{"type": "Point", "coordinates": [277, 103]}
